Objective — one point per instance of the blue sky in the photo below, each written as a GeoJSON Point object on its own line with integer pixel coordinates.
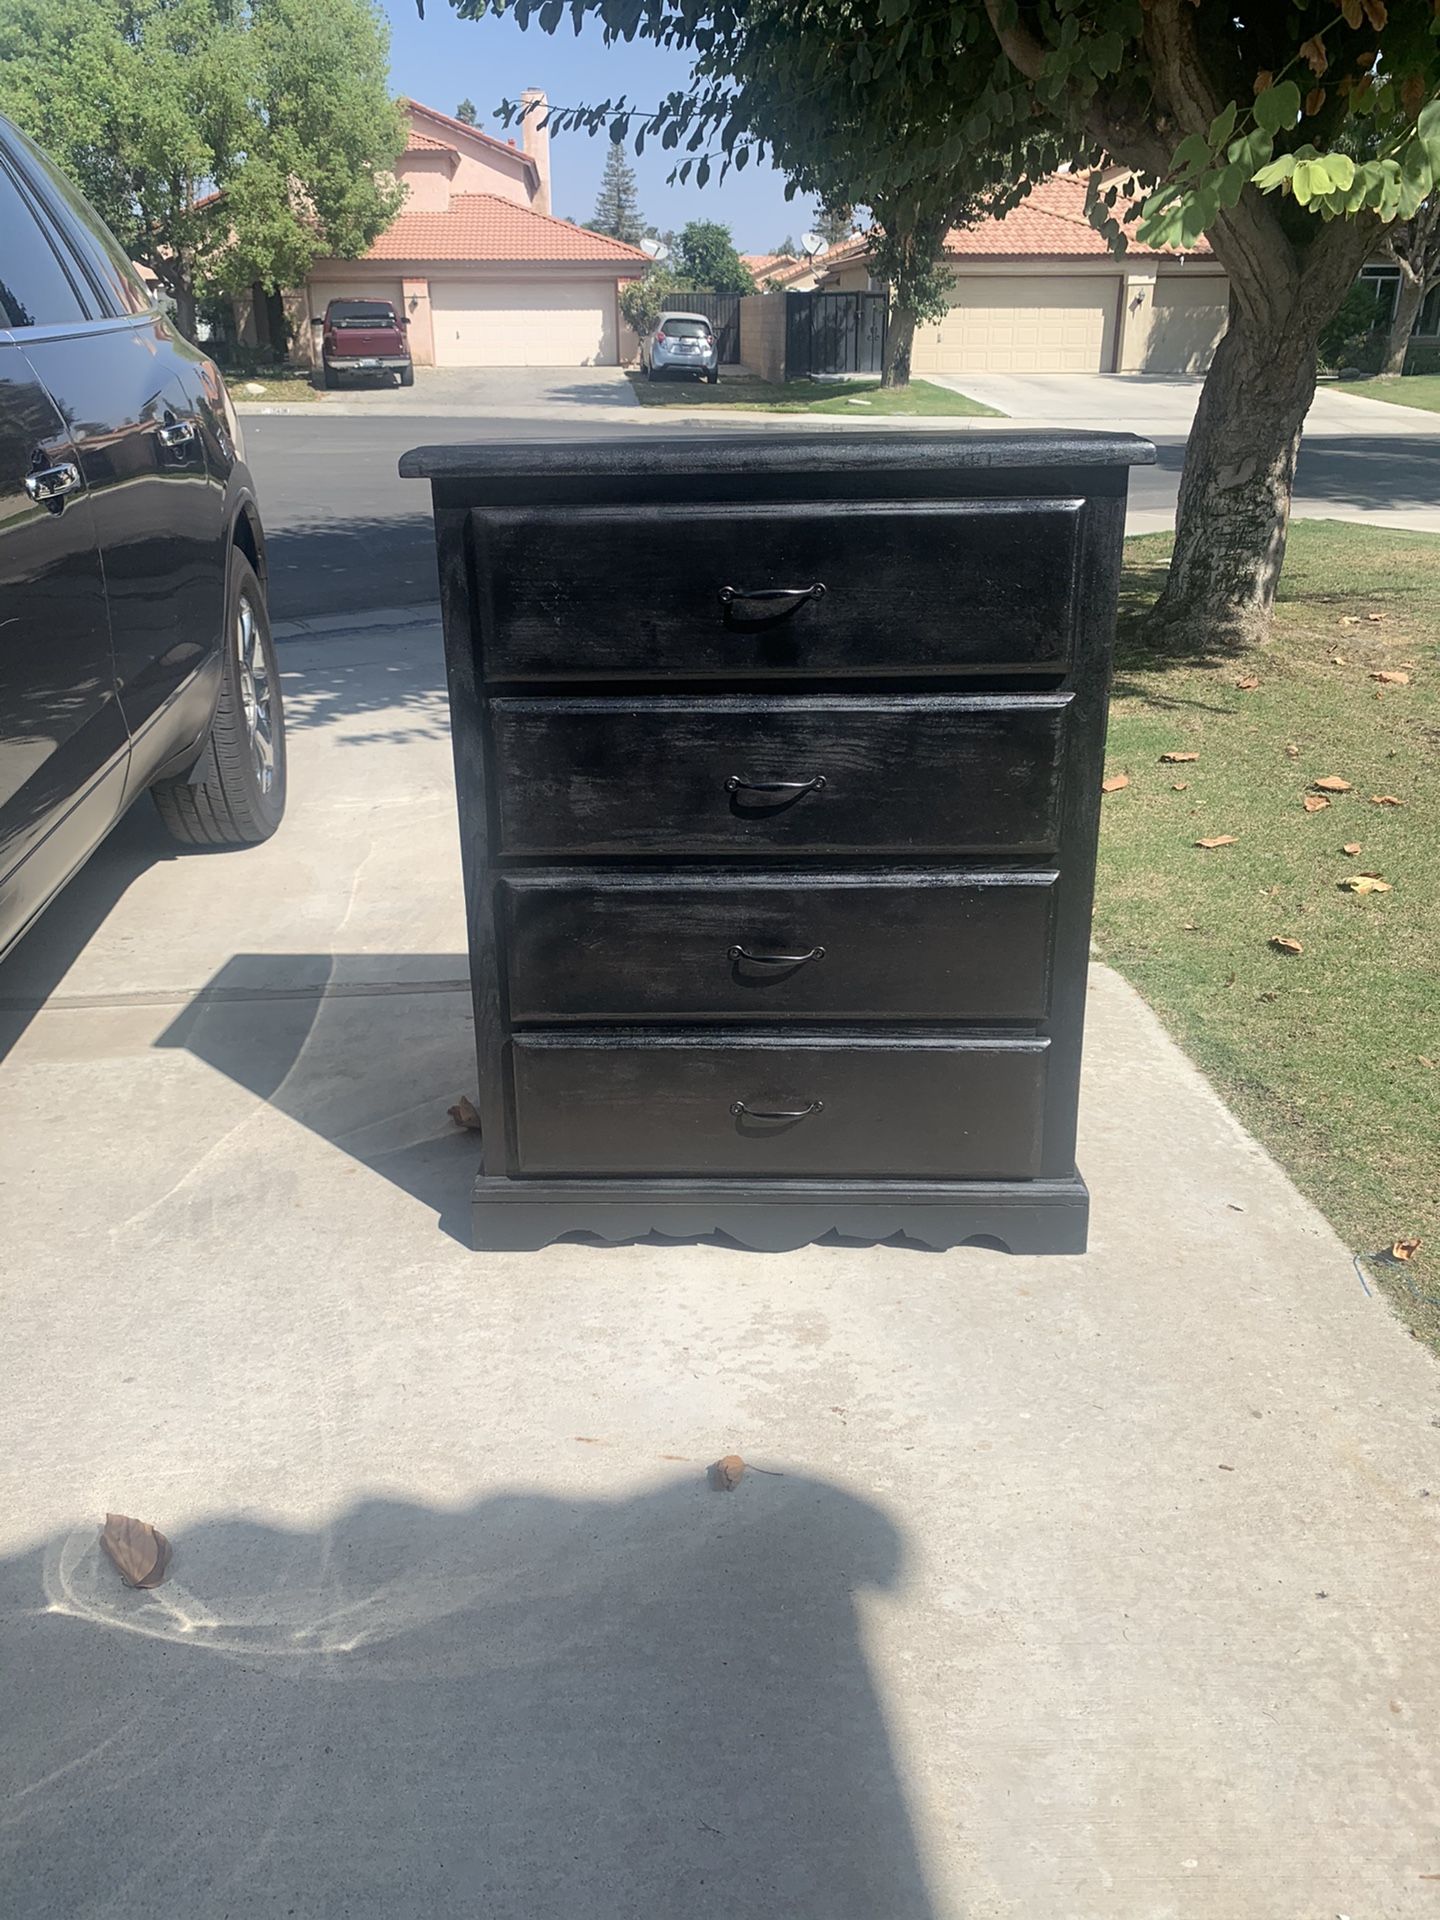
{"type": "Point", "coordinates": [440, 60]}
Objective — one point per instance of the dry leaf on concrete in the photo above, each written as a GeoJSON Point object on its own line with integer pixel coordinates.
{"type": "Point", "coordinates": [1247, 683]}
{"type": "Point", "coordinates": [1115, 783]}
{"type": "Point", "coordinates": [1364, 883]}
{"type": "Point", "coordinates": [141, 1555]}
{"type": "Point", "coordinates": [1282, 943]}
{"type": "Point", "coordinates": [1177, 759]}
{"type": "Point", "coordinates": [1392, 677]}
{"type": "Point", "coordinates": [464, 1115]}
{"type": "Point", "coordinates": [1405, 1249]}
{"type": "Point", "coordinates": [1385, 800]}
{"type": "Point", "coordinates": [1351, 847]}
{"type": "Point", "coordinates": [1220, 840]}
{"type": "Point", "coordinates": [726, 1474]}
{"type": "Point", "coordinates": [1330, 783]}
{"type": "Point", "coordinates": [1314, 803]}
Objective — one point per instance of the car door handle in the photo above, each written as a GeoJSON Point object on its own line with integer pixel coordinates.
{"type": "Point", "coordinates": [175, 433]}
{"type": "Point", "coordinates": [52, 483]}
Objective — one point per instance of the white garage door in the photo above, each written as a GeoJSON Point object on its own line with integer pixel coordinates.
{"type": "Point", "coordinates": [1189, 318]}
{"type": "Point", "coordinates": [1056, 323]}
{"type": "Point", "coordinates": [523, 323]}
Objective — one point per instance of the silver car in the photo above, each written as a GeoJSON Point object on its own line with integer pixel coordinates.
{"type": "Point", "coordinates": [681, 343]}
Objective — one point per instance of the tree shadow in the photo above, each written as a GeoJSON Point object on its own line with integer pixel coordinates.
{"type": "Point", "coordinates": [337, 678]}
{"type": "Point", "coordinates": [654, 1707]}
{"type": "Point", "coordinates": [327, 564]}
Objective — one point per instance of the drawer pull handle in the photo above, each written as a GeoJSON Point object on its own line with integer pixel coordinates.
{"type": "Point", "coordinates": [785, 596]}
{"type": "Point", "coordinates": [777, 959]}
{"type": "Point", "coordinates": [739, 1109]}
{"type": "Point", "coordinates": [736, 785]}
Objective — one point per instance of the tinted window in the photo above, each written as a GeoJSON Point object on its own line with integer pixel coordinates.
{"type": "Point", "coordinates": [35, 290]}
{"type": "Point", "coordinates": [107, 261]}
{"type": "Point", "coordinates": [361, 313]}
{"type": "Point", "coordinates": [685, 329]}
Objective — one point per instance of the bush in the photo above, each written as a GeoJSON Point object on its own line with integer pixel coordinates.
{"type": "Point", "coordinates": [1352, 338]}
{"type": "Point", "coordinates": [1422, 359]}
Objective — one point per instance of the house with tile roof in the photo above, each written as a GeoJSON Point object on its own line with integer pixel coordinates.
{"type": "Point", "coordinates": [1039, 291]}
{"type": "Point", "coordinates": [484, 273]}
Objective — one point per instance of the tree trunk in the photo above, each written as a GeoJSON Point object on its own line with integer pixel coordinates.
{"type": "Point", "coordinates": [899, 342]}
{"type": "Point", "coordinates": [277, 331]}
{"type": "Point", "coordinates": [1407, 307]}
{"type": "Point", "coordinates": [1234, 507]}
{"type": "Point", "coordinates": [184, 296]}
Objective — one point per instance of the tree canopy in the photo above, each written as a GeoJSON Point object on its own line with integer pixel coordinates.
{"type": "Point", "coordinates": [466, 111]}
{"type": "Point", "coordinates": [705, 258]}
{"type": "Point", "coordinates": [1291, 134]}
{"type": "Point", "coordinates": [617, 204]}
{"type": "Point", "coordinates": [224, 141]}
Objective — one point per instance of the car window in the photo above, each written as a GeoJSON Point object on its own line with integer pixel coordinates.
{"type": "Point", "coordinates": [685, 329]}
{"type": "Point", "coordinates": [35, 288]}
{"type": "Point", "coordinates": [101, 254]}
{"type": "Point", "coordinates": [361, 313]}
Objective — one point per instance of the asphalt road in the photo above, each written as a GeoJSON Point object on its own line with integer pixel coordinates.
{"type": "Point", "coordinates": [346, 533]}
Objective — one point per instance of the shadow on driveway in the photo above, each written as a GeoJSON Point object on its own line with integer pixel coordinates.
{"type": "Point", "coordinates": [630, 1709]}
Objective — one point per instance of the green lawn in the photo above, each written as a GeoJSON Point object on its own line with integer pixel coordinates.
{"type": "Point", "coordinates": [861, 398]}
{"type": "Point", "coordinates": [1332, 1055]}
{"type": "Point", "coordinates": [285, 385]}
{"type": "Point", "coordinates": [1410, 390]}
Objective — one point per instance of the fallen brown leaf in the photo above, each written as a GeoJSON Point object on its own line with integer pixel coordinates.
{"type": "Point", "coordinates": [727, 1474]}
{"type": "Point", "coordinates": [1177, 759]}
{"type": "Point", "coordinates": [1385, 800]}
{"type": "Point", "coordinates": [1115, 783]}
{"type": "Point", "coordinates": [1338, 660]}
{"type": "Point", "coordinates": [1392, 677]}
{"type": "Point", "coordinates": [1424, 1060]}
{"type": "Point", "coordinates": [1330, 783]}
{"type": "Point", "coordinates": [1375, 618]}
{"type": "Point", "coordinates": [1351, 847]}
{"type": "Point", "coordinates": [464, 1115]}
{"type": "Point", "coordinates": [1405, 1249]}
{"type": "Point", "coordinates": [1364, 883]}
{"type": "Point", "coordinates": [1179, 786]}
{"type": "Point", "coordinates": [1314, 803]}
{"type": "Point", "coordinates": [1220, 840]}
{"type": "Point", "coordinates": [141, 1555]}
{"type": "Point", "coordinates": [1292, 752]}
{"type": "Point", "coordinates": [1248, 684]}
{"type": "Point", "coordinates": [1282, 943]}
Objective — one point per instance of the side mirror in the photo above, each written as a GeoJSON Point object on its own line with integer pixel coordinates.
{"type": "Point", "coordinates": [404, 319]}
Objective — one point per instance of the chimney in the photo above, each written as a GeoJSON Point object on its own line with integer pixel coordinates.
{"type": "Point", "coordinates": [536, 136]}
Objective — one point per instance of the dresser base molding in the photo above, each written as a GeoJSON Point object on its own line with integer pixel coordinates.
{"type": "Point", "coordinates": [1030, 1216]}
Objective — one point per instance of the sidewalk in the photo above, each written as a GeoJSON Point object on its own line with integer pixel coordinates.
{"type": "Point", "coordinates": [1094, 1588]}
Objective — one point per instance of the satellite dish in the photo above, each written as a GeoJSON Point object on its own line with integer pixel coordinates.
{"type": "Point", "coordinates": [656, 249]}
{"type": "Point", "coordinates": [814, 245]}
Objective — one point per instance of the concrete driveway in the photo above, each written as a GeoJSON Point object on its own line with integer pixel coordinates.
{"type": "Point", "coordinates": [1161, 406]}
{"type": "Point", "coordinates": [1088, 1587]}
{"type": "Point", "coordinates": [524, 393]}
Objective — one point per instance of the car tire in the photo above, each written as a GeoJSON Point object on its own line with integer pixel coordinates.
{"type": "Point", "coordinates": [332, 378]}
{"type": "Point", "coordinates": [235, 797]}
{"type": "Point", "coordinates": [407, 376]}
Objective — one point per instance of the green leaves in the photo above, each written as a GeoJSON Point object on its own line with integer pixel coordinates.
{"type": "Point", "coordinates": [1278, 108]}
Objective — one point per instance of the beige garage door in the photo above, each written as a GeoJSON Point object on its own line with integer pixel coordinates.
{"type": "Point", "coordinates": [523, 323]}
{"type": "Point", "coordinates": [1189, 318]}
{"type": "Point", "coordinates": [1056, 323]}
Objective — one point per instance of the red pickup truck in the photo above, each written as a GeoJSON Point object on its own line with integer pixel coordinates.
{"type": "Point", "coordinates": [365, 336]}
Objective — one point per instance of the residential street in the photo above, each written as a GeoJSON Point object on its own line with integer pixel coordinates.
{"type": "Point", "coordinates": [1132, 1549]}
{"type": "Point", "coordinates": [347, 533]}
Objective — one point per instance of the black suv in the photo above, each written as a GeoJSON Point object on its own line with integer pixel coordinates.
{"type": "Point", "coordinates": [135, 651]}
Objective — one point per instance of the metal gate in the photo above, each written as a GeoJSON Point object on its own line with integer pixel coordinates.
{"type": "Point", "coordinates": [722, 310]}
{"type": "Point", "coordinates": [834, 333]}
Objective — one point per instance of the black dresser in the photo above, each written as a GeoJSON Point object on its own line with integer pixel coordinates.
{"type": "Point", "coordinates": [779, 765]}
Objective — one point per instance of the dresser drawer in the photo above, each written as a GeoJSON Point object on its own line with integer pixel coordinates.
{"type": "Point", "coordinates": [757, 946]}
{"type": "Point", "coordinates": [922, 588]}
{"type": "Point", "coordinates": [926, 775]}
{"type": "Point", "coordinates": [926, 1109]}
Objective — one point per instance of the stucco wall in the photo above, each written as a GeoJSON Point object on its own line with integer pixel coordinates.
{"type": "Point", "coordinates": [426, 178]}
{"type": "Point", "coordinates": [762, 334]}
